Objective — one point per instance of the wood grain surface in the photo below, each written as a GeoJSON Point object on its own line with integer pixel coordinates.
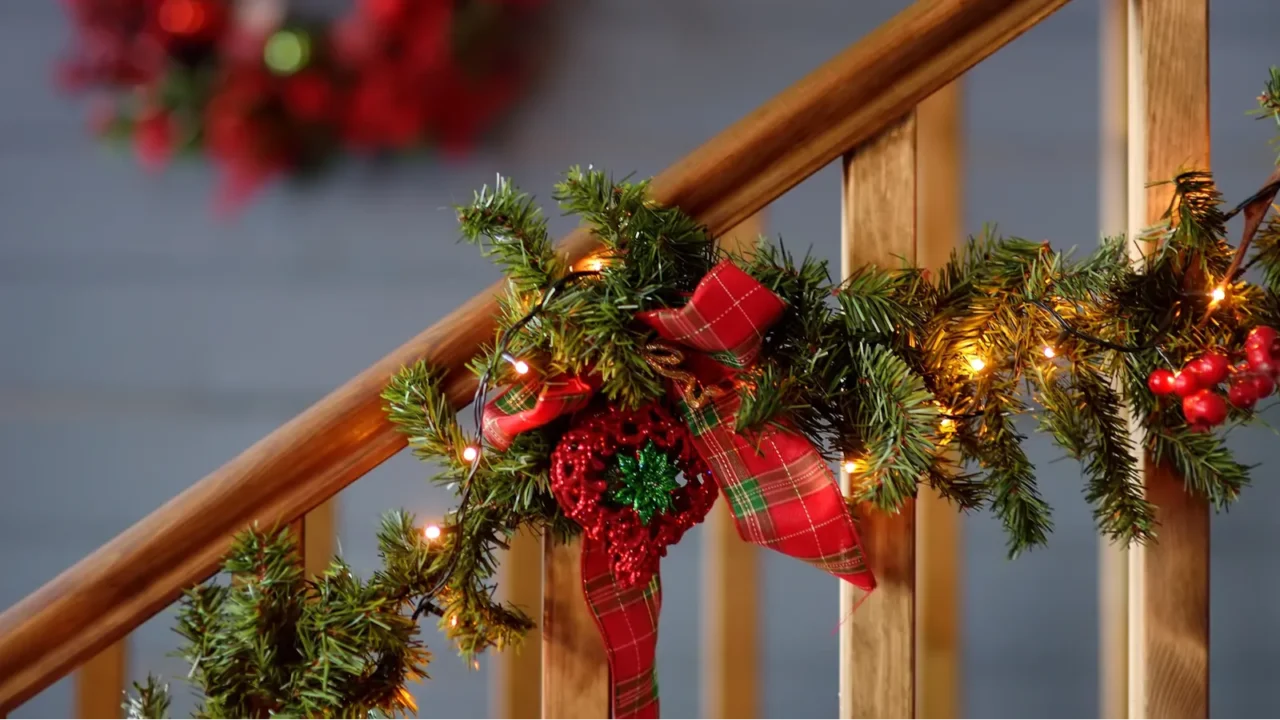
{"type": "Point", "coordinates": [518, 690]}
{"type": "Point", "coordinates": [1113, 559]}
{"type": "Point", "coordinates": [100, 683]}
{"type": "Point", "coordinates": [575, 670]}
{"type": "Point", "coordinates": [939, 548]}
{"type": "Point", "coordinates": [878, 641]}
{"type": "Point", "coordinates": [344, 435]}
{"type": "Point", "coordinates": [1168, 110]}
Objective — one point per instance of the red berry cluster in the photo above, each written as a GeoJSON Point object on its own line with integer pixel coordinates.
{"type": "Point", "coordinates": [1248, 381]}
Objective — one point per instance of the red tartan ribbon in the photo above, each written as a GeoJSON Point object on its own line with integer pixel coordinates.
{"type": "Point", "coordinates": [780, 490]}
{"type": "Point", "coordinates": [532, 405]}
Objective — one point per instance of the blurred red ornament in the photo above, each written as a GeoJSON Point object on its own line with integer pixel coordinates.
{"type": "Point", "coordinates": [192, 19]}
{"type": "Point", "coordinates": [309, 96]}
{"type": "Point", "coordinates": [384, 11]}
{"type": "Point", "coordinates": [153, 140]}
{"type": "Point", "coordinates": [389, 76]}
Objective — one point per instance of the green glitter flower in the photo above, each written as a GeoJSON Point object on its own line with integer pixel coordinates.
{"type": "Point", "coordinates": [646, 481]}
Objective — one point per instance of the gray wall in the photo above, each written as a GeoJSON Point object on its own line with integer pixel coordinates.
{"type": "Point", "coordinates": [144, 344]}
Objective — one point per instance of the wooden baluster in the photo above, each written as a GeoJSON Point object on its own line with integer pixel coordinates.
{"type": "Point", "coordinates": [575, 672]}
{"type": "Point", "coordinates": [519, 672]}
{"type": "Point", "coordinates": [877, 643]}
{"type": "Point", "coordinates": [940, 215]}
{"type": "Point", "coordinates": [1113, 561]}
{"type": "Point", "coordinates": [100, 683]}
{"type": "Point", "coordinates": [731, 596]}
{"type": "Point", "coordinates": [316, 534]}
{"type": "Point", "coordinates": [1168, 52]}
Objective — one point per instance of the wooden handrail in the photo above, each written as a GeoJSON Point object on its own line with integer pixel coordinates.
{"type": "Point", "coordinates": [344, 435]}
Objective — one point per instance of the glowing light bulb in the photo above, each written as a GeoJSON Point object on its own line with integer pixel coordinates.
{"type": "Point", "coordinates": [1219, 295]}
{"type": "Point", "coordinates": [431, 532]}
{"type": "Point", "coordinates": [470, 453]}
{"type": "Point", "coordinates": [593, 264]}
{"type": "Point", "coordinates": [947, 424]}
{"type": "Point", "coordinates": [475, 664]}
{"type": "Point", "coordinates": [522, 367]}
{"type": "Point", "coordinates": [453, 621]}
{"type": "Point", "coordinates": [1049, 352]}
{"type": "Point", "coordinates": [976, 363]}
{"type": "Point", "coordinates": [850, 467]}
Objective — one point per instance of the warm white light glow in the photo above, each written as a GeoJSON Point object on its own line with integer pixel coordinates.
{"type": "Point", "coordinates": [850, 467]}
{"type": "Point", "coordinates": [431, 532]}
{"type": "Point", "coordinates": [594, 264]}
{"type": "Point", "coordinates": [1049, 352]}
{"type": "Point", "coordinates": [947, 423]}
{"type": "Point", "coordinates": [1219, 295]}
{"type": "Point", "coordinates": [522, 367]}
{"type": "Point", "coordinates": [453, 621]}
{"type": "Point", "coordinates": [470, 453]}
{"type": "Point", "coordinates": [976, 363]}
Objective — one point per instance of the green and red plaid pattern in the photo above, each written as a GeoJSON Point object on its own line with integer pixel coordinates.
{"type": "Point", "coordinates": [628, 621]}
{"type": "Point", "coordinates": [532, 404]}
{"type": "Point", "coordinates": [725, 318]}
{"type": "Point", "coordinates": [780, 490]}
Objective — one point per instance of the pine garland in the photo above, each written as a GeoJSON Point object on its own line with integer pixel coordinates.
{"type": "Point", "coordinates": [908, 376]}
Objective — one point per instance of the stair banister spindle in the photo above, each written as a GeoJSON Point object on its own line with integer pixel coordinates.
{"type": "Point", "coordinates": [1168, 86]}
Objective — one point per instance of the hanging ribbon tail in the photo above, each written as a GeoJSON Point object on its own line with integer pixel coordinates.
{"type": "Point", "coordinates": [531, 405]}
{"type": "Point", "coordinates": [780, 490]}
{"type": "Point", "coordinates": [628, 621]}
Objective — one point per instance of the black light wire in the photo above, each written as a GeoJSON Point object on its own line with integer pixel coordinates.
{"type": "Point", "coordinates": [477, 402]}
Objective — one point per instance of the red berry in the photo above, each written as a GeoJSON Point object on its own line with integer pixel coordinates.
{"type": "Point", "coordinates": [1242, 394]}
{"type": "Point", "coordinates": [1211, 368]}
{"type": "Point", "coordinates": [1186, 383]}
{"type": "Point", "coordinates": [1262, 384]}
{"type": "Point", "coordinates": [1161, 381]}
{"type": "Point", "coordinates": [1261, 337]}
{"type": "Point", "coordinates": [1205, 407]}
{"type": "Point", "coordinates": [153, 139]}
{"type": "Point", "coordinates": [1260, 361]}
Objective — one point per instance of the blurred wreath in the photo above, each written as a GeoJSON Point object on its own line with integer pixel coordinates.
{"type": "Point", "coordinates": [264, 92]}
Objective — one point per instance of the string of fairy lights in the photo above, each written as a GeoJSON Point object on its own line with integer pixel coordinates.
{"type": "Point", "coordinates": [595, 265]}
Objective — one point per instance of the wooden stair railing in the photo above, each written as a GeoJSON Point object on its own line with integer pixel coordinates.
{"type": "Point", "coordinates": [847, 101]}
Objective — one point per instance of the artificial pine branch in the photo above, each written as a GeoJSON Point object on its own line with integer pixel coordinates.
{"type": "Point", "coordinates": [275, 644]}
{"type": "Point", "coordinates": [149, 701]}
{"type": "Point", "coordinates": [1269, 104]}
{"type": "Point", "coordinates": [506, 224]}
{"type": "Point", "coordinates": [874, 368]}
{"type": "Point", "coordinates": [918, 379]}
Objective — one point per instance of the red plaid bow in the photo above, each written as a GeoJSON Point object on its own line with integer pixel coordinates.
{"type": "Point", "coordinates": [780, 490]}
